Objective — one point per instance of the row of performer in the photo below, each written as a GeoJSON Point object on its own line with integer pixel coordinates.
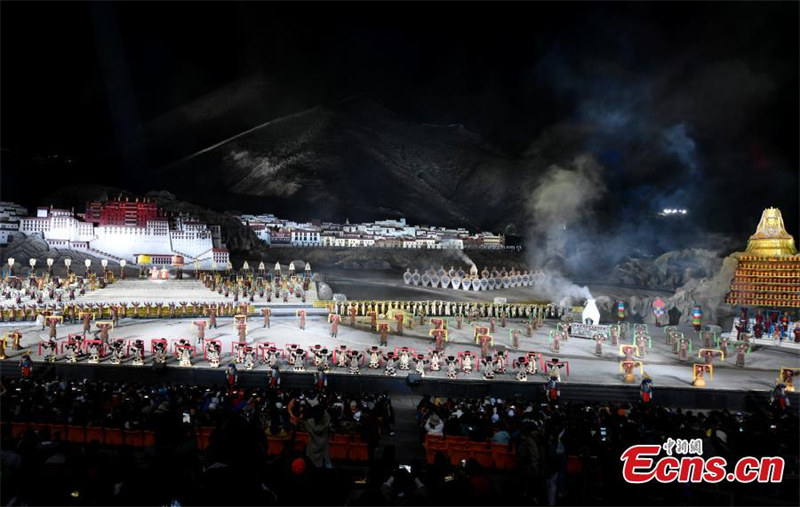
{"type": "Point", "coordinates": [322, 359]}
{"type": "Point", "coordinates": [116, 351]}
{"type": "Point", "coordinates": [447, 308]}
{"type": "Point", "coordinates": [74, 312]}
{"type": "Point", "coordinates": [263, 288]}
{"type": "Point", "coordinates": [354, 308]}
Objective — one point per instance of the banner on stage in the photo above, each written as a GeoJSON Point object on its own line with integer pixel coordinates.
{"type": "Point", "coordinates": [586, 330]}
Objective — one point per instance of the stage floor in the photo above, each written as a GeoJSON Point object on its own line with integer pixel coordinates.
{"type": "Point", "coordinates": [587, 368]}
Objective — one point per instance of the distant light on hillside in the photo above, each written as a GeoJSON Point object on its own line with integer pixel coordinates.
{"type": "Point", "coordinates": [672, 211]}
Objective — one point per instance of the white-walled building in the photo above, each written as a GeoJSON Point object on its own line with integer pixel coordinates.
{"type": "Point", "coordinates": [188, 238]}
{"type": "Point", "coordinates": [10, 214]}
{"type": "Point", "coordinates": [305, 237]}
{"type": "Point", "coordinates": [389, 233]}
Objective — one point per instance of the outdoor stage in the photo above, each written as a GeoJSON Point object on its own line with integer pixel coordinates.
{"type": "Point", "coordinates": [591, 377]}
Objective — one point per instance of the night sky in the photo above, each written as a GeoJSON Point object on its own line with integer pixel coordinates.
{"type": "Point", "coordinates": [696, 100]}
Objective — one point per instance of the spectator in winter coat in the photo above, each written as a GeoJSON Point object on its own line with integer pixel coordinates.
{"type": "Point", "coordinates": [434, 425]}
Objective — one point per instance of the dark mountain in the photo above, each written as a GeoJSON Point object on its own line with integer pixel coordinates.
{"type": "Point", "coordinates": [353, 159]}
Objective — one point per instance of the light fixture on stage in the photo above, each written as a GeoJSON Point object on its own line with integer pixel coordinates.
{"type": "Point", "coordinates": [68, 263]}
{"type": "Point", "coordinates": [32, 263]}
{"type": "Point", "coordinates": [122, 263]}
{"type": "Point", "coordinates": [50, 266]}
{"type": "Point", "coordinates": [10, 266]}
{"type": "Point", "coordinates": [87, 263]}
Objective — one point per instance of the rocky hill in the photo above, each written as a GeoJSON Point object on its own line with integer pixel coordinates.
{"type": "Point", "coordinates": [354, 159]}
{"type": "Point", "coordinates": [393, 260]}
{"type": "Point", "coordinates": [670, 270]}
{"type": "Point", "coordinates": [22, 248]}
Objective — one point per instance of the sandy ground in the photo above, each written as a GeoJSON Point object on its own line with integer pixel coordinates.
{"type": "Point", "coordinates": [585, 367]}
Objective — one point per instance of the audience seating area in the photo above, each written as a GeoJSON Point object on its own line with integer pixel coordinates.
{"type": "Point", "coordinates": [342, 447]}
{"type": "Point", "coordinates": [488, 454]}
{"type": "Point", "coordinates": [85, 434]}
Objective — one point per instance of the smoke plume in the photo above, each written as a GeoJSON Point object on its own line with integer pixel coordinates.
{"type": "Point", "coordinates": [464, 257]}
{"type": "Point", "coordinates": [564, 197]}
{"type": "Point", "coordinates": [552, 285]}
{"type": "Point", "coordinates": [558, 209]}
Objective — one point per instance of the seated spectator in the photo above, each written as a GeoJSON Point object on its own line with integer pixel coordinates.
{"type": "Point", "coordinates": [434, 425]}
{"type": "Point", "coordinates": [501, 435]}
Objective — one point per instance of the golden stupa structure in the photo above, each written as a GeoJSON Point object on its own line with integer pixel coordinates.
{"type": "Point", "coordinates": [768, 272]}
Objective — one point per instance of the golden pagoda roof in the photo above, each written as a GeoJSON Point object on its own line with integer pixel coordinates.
{"type": "Point", "coordinates": [771, 238]}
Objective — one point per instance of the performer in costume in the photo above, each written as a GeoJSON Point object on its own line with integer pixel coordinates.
{"type": "Point", "coordinates": [435, 358]}
{"type": "Point", "coordinates": [450, 368]}
{"type": "Point", "coordinates": [383, 329]}
{"type": "Point", "coordinates": [485, 341]}
{"type": "Point", "coordinates": [488, 367]}
{"type": "Point", "coordinates": [389, 360]}
{"type": "Point", "coordinates": [646, 389]}
{"type": "Point", "coordinates": [419, 361]}
{"type": "Point", "coordinates": [641, 344]}
{"type": "Point", "coordinates": [659, 308]}
{"type": "Point", "coordinates": [231, 375]}
{"type": "Point", "coordinates": [86, 317]}
{"type": "Point", "coordinates": [355, 361]}
{"type": "Point", "coordinates": [159, 352]}
{"type": "Point", "coordinates": [26, 365]}
{"type": "Point", "coordinates": [552, 389]}
{"type": "Point", "coordinates": [275, 377]}
{"type": "Point", "coordinates": [334, 320]}
{"type": "Point", "coordinates": [697, 317]}
{"type": "Point", "coordinates": [599, 339]}
{"type": "Point", "coordinates": [117, 350]}
{"type": "Point", "coordinates": [374, 358]}
{"type": "Point", "coordinates": [137, 351]}
{"type": "Point", "coordinates": [213, 354]}
{"type": "Point", "coordinates": [778, 397]}
{"type": "Point", "coordinates": [201, 331]}
{"type": "Point", "coordinates": [212, 317]}
{"type": "Point", "coordinates": [467, 360]}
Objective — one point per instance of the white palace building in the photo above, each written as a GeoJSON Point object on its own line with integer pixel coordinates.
{"type": "Point", "coordinates": [137, 231]}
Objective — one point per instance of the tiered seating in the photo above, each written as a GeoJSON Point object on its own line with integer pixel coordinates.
{"type": "Point", "coordinates": [84, 434]}
{"type": "Point", "coordinates": [343, 447]}
{"type": "Point", "coordinates": [487, 454]}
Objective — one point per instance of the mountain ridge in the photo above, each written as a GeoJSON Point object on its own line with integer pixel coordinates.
{"type": "Point", "coordinates": [354, 159]}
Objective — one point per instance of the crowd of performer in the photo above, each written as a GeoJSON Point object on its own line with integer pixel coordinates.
{"type": "Point", "coordinates": [503, 359]}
